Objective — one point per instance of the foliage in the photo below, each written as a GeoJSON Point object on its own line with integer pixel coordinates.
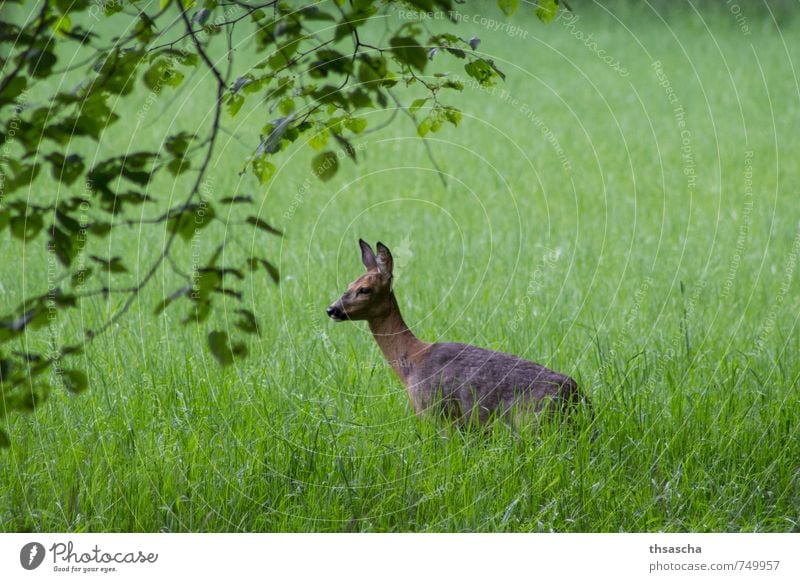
{"type": "Point", "coordinates": [318, 70]}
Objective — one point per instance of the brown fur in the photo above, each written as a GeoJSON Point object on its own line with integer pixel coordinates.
{"type": "Point", "coordinates": [457, 381]}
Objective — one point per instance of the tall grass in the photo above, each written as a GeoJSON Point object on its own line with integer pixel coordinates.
{"type": "Point", "coordinates": [573, 230]}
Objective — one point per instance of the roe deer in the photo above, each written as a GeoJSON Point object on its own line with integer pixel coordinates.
{"type": "Point", "coordinates": [450, 379]}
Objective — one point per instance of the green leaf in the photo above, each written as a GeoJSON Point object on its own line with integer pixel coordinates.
{"type": "Point", "coordinates": [40, 62]}
{"type": "Point", "coordinates": [95, 116]}
{"type": "Point", "coordinates": [275, 133]}
{"type": "Point", "coordinates": [161, 73]}
{"type": "Point", "coordinates": [178, 143]}
{"type": "Point", "coordinates": [286, 105]}
{"type": "Point", "coordinates": [263, 225]}
{"type": "Point", "coordinates": [371, 68]}
{"type": "Point", "coordinates": [24, 174]}
{"type": "Point", "coordinates": [247, 323]}
{"type": "Point", "coordinates": [508, 6]}
{"type": "Point", "coordinates": [269, 267]}
{"type": "Point", "coordinates": [408, 51]}
{"type": "Point", "coordinates": [483, 71]}
{"type": "Point", "coordinates": [198, 312]}
{"type": "Point", "coordinates": [112, 265]}
{"type": "Point", "coordinates": [62, 245]}
{"type": "Point", "coordinates": [26, 226]}
{"type": "Point", "coordinates": [63, 25]}
{"type": "Point", "coordinates": [72, 225]}
{"type": "Point", "coordinates": [117, 72]}
{"type": "Point", "coordinates": [4, 218]}
{"type": "Point", "coordinates": [234, 104]}
{"type": "Point", "coordinates": [5, 442]}
{"type": "Point", "coordinates": [74, 380]}
{"type": "Point", "coordinates": [222, 349]}
{"type": "Point", "coordinates": [192, 219]}
{"type": "Point", "coordinates": [330, 61]}
{"type": "Point", "coordinates": [66, 169]}
{"type": "Point", "coordinates": [325, 165]}
{"type": "Point", "coordinates": [416, 104]}
{"type": "Point", "coordinates": [238, 199]}
{"type": "Point", "coordinates": [80, 276]}
{"type": "Point", "coordinates": [318, 140]}
{"type": "Point", "coordinates": [312, 13]}
{"type": "Point", "coordinates": [100, 229]}
{"type": "Point", "coordinates": [355, 124]}
{"type": "Point", "coordinates": [14, 88]}
{"type": "Point", "coordinates": [547, 10]}
{"type": "Point", "coordinates": [204, 282]}
{"type": "Point", "coordinates": [178, 166]}
{"type": "Point", "coordinates": [263, 170]}
{"type": "Point", "coordinates": [283, 54]}
{"type": "Point", "coordinates": [424, 126]}
{"type": "Point", "coordinates": [452, 115]}
{"type": "Point", "coordinates": [111, 8]}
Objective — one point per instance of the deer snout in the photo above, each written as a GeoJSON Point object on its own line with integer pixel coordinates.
{"type": "Point", "coordinates": [336, 313]}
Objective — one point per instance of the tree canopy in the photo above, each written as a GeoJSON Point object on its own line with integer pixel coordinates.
{"type": "Point", "coordinates": [312, 68]}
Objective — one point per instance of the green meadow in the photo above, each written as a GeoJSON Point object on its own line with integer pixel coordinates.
{"type": "Point", "coordinates": [622, 208]}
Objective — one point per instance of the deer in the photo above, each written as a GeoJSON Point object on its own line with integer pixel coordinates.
{"type": "Point", "coordinates": [464, 384]}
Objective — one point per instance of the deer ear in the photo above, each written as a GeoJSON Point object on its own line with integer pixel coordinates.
{"type": "Point", "coordinates": [367, 256]}
{"type": "Point", "coordinates": [385, 261]}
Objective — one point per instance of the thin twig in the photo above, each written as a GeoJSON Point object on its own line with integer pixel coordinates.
{"type": "Point", "coordinates": [136, 289]}
{"type": "Point", "coordinates": [427, 144]}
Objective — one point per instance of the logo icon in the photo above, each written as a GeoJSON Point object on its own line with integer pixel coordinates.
{"type": "Point", "coordinates": [31, 555]}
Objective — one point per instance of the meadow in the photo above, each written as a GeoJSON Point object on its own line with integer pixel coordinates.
{"type": "Point", "coordinates": [622, 208]}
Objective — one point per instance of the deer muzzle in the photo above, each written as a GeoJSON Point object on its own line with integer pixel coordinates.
{"type": "Point", "coordinates": [336, 313]}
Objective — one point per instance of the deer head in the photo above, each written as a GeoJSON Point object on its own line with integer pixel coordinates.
{"type": "Point", "coordinates": [368, 297]}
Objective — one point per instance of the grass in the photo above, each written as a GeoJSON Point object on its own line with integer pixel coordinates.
{"type": "Point", "coordinates": [572, 231]}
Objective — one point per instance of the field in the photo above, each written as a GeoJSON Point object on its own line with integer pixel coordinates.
{"type": "Point", "coordinates": [622, 208]}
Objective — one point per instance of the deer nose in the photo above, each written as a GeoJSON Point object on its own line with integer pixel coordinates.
{"type": "Point", "coordinates": [334, 312]}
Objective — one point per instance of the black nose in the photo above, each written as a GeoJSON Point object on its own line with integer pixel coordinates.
{"type": "Point", "coordinates": [330, 311]}
{"type": "Point", "coordinates": [334, 312]}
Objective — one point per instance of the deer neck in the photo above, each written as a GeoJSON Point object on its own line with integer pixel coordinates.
{"type": "Point", "coordinates": [399, 345]}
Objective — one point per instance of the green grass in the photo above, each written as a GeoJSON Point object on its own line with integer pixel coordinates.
{"type": "Point", "coordinates": [675, 308]}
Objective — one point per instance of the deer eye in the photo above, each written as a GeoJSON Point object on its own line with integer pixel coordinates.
{"type": "Point", "coordinates": [364, 291]}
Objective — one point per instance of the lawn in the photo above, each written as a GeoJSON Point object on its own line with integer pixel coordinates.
{"type": "Point", "coordinates": [622, 208]}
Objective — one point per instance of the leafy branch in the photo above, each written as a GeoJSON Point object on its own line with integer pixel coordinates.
{"type": "Point", "coordinates": [319, 67]}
